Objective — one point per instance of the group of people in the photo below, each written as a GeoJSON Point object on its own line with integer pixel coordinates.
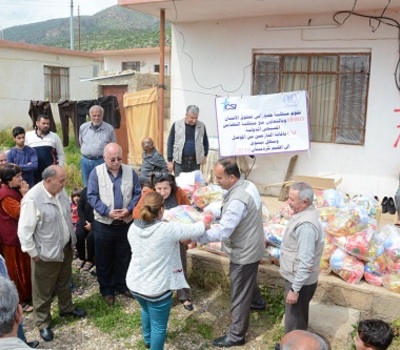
{"type": "Point", "coordinates": [137, 255]}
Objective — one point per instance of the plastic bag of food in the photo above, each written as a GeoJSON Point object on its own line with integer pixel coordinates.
{"type": "Point", "coordinates": [372, 278]}
{"type": "Point", "coordinates": [215, 208]}
{"type": "Point", "coordinates": [285, 211]}
{"type": "Point", "coordinates": [326, 213]}
{"type": "Point", "coordinates": [391, 281]}
{"type": "Point", "coordinates": [358, 244]}
{"type": "Point", "coordinates": [273, 234]}
{"type": "Point", "coordinates": [319, 199]}
{"type": "Point", "coordinates": [333, 198]}
{"type": "Point", "coordinates": [348, 267]}
{"type": "Point", "coordinates": [272, 255]}
{"type": "Point", "coordinates": [349, 219]}
{"type": "Point", "coordinates": [203, 196]}
{"type": "Point", "coordinates": [391, 247]}
{"type": "Point", "coordinates": [184, 214]}
{"type": "Point", "coordinates": [370, 204]}
{"type": "Point", "coordinates": [190, 182]}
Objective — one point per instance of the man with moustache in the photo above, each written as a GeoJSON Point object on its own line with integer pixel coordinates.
{"type": "Point", "coordinates": [93, 137]}
{"type": "Point", "coordinates": [47, 145]}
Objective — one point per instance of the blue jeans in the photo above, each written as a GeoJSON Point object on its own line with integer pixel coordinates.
{"type": "Point", "coordinates": [155, 317]}
{"type": "Point", "coordinates": [21, 333]}
{"type": "Point", "coordinates": [87, 165]}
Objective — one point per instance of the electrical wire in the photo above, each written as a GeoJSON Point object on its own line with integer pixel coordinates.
{"type": "Point", "coordinates": [381, 20]}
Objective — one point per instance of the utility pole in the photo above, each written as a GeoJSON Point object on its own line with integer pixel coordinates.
{"type": "Point", "coordinates": [79, 30]}
{"type": "Point", "coordinates": [71, 26]}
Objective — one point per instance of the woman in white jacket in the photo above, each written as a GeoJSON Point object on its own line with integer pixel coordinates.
{"type": "Point", "coordinates": [155, 270]}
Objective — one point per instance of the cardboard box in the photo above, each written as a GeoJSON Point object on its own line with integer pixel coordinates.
{"type": "Point", "coordinates": [320, 183]}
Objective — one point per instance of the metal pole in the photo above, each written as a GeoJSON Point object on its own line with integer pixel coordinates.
{"type": "Point", "coordinates": [161, 84]}
{"type": "Point", "coordinates": [79, 30]}
{"type": "Point", "coordinates": [71, 25]}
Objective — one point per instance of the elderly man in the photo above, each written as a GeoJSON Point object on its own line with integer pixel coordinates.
{"type": "Point", "coordinates": [3, 158]}
{"type": "Point", "coordinates": [187, 146]}
{"type": "Point", "coordinates": [113, 191]}
{"type": "Point", "coordinates": [304, 340]}
{"type": "Point", "coordinates": [301, 251]}
{"type": "Point", "coordinates": [241, 231]}
{"type": "Point", "coordinates": [47, 145]}
{"type": "Point", "coordinates": [11, 317]}
{"type": "Point", "coordinates": [152, 160]}
{"type": "Point", "coordinates": [93, 137]}
{"type": "Point", "coordinates": [46, 233]}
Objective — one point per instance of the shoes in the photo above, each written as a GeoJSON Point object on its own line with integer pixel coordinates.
{"type": "Point", "coordinates": [78, 313]}
{"type": "Point", "coordinates": [88, 266]}
{"type": "Point", "coordinates": [384, 205]}
{"type": "Point", "coordinates": [93, 273]}
{"type": "Point", "coordinates": [27, 308]}
{"type": "Point", "coordinates": [109, 299]}
{"type": "Point", "coordinates": [224, 342]}
{"type": "Point", "coordinates": [32, 344]}
{"type": "Point", "coordinates": [391, 208]}
{"type": "Point", "coordinates": [277, 346]}
{"type": "Point", "coordinates": [147, 346]}
{"type": "Point", "coordinates": [46, 334]}
{"type": "Point", "coordinates": [81, 265]}
{"type": "Point", "coordinates": [187, 304]}
{"type": "Point", "coordinates": [258, 308]}
{"type": "Point", "coordinates": [127, 294]}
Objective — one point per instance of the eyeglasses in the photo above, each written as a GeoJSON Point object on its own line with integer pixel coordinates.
{"type": "Point", "coordinates": [160, 174]}
{"type": "Point", "coordinates": [113, 160]}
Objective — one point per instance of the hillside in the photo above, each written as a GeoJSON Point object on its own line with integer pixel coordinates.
{"type": "Point", "coordinates": [113, 28]}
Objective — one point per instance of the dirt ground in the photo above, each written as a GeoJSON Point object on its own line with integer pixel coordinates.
{"type": "Point", "coordinates": [211, 307]}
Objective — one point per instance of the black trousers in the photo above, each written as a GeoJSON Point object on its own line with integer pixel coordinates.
{"type": "Point", "coordinates": [296, 315]}
{"type": "Point", "coordinates": [84, 243]}
{"type": "Point", "coordinates": [113, 255]}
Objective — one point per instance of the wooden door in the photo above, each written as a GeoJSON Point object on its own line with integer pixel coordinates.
{"type": "Point", "coordinates": [122, 138]}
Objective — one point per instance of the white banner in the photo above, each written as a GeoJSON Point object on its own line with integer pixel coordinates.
{"type": "Point", "coordinates": [263, 124]}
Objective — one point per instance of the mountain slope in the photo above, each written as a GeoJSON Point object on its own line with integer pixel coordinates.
{"type": "Point", "coordinates": [113, 28]}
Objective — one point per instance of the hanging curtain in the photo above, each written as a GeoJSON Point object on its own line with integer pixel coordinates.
{"type": "Point", "coordinates": [141, 121]}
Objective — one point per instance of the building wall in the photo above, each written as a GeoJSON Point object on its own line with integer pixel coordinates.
{"type": "Point", "coordinates": [221, 66]}
{"type": "Point", "coordinates": [22, 81]}
{"type": "Point", "coordinates": [114, 63]}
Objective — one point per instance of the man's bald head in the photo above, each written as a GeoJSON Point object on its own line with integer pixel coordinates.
{"type": "Point", "coordinates": [304, 340]}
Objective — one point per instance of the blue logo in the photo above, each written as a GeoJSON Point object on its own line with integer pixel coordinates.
{"type": "Point", "coordinates": [229, 106]}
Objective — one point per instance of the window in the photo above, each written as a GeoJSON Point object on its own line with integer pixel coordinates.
{"type": "Point", "coordinates": [337, 86]}
{"type": "Point", "coordinates": [133, 65]}
{"type": "Point", "coordinates": [157, 69]}
{"type": "Point", "coordinates": [56, 83]}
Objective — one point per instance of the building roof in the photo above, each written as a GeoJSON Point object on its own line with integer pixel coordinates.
{"type": "Point", "coordinates": [133, 51]}
{"type": "Point", "coordinates": [46, 49]}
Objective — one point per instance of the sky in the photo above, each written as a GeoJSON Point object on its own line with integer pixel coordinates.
{"type": "Point", "coordinates": [18, 12]}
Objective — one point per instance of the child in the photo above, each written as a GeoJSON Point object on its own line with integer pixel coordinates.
{"type": "Point", "coordinates": [373, 335]}
{"type": "Point", "coordinates": [76, 193]}
{"type": "Point", "coordinates": [24, 156]}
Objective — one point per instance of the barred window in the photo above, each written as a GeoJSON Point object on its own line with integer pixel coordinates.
{"type": "Point", "coordinates": [56, 83]}
{"type": "Point", "coordinates": [337, 86]}
{"type": "Point", "coordinates": [133, 65]}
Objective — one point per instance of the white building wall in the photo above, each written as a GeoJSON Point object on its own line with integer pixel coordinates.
{"type": "Point", "coordinates": [114, 63]}
{"type": "Point", "coordinates": [220, 65]}
{"type": "Point", "coordinates": [22, 80]}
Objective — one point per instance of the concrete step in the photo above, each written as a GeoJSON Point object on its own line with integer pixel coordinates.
{"type": "Point", "coordinates": [334, 322]}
